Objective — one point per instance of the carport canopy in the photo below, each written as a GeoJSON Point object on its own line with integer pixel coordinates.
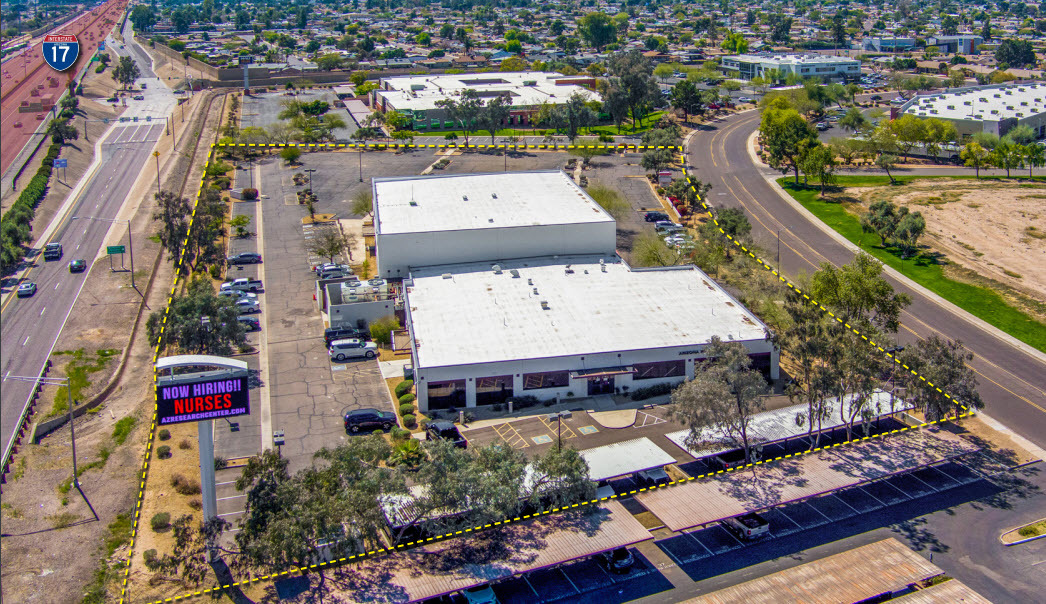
{"type": "Point", "coordinates": [623, 458]}
{"type": "Point", "coordinates": [497, 553]}
{"type": "Point", "coordinates": [770, 484]}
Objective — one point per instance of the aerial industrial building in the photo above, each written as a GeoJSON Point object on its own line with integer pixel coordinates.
{"type": "Point", "coordinates": [993, 109]}
{"type": "Point", "coordinates": [512, 287]}
{"type": "Point", "coordinates": [417, 96]}
{"type": "Point", "coordinates": [826, 67]}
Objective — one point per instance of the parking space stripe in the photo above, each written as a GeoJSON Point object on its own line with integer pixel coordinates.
{"type": "Point", "coordinates": [840, 500]}
{"type": "Point", "coordinates": [698, 541]}
{"type": "Point", "coordinates": [781, 511]}
{"type": "Point", "coordinates": [814, 508]}
{"type": "Point", "coordinates": [928, 485]}
{"type": "Point", "coordinates": [881, 504]}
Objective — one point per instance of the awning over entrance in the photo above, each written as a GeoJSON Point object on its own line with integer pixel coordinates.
{"type": "Point", "coordinates": [598, 373]}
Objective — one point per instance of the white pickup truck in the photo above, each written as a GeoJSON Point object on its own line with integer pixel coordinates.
{"type": "Point", "coordinates": [243, 285]}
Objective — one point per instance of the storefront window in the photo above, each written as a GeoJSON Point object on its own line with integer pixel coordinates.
{"type": "Point", "coordinates": [663, 369]}
{"type": "Point", "coordinates": [547, 379]}
{"type": "Point", "coordinates": [444, 395]}
{"type": "Point", "coordinates": [494, 389]}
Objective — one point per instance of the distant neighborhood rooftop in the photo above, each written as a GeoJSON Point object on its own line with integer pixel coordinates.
{"type": "Point", "coordinates": [993, 103]}
{"type": "Point", "coordinates": [526, 88]}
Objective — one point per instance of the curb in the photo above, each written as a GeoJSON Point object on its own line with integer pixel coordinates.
{"type": "Point", "coordinates": [1020, 541]}
{"type": "Point", "coordinates": [949, 306]}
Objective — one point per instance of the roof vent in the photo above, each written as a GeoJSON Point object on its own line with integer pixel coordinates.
{"type": "Point", "coordinates": [602, 266]}
{"type": "Point", "coordinates": [515, 273]}
{"type": "Point", "coordinates": [447, 275]}
{"type": "Point", "coordinates": [494, 195]}
{"type": "Point", "coordinates": [490, 220]}
{"type": "Point", "coordinates": [544, 304]}
{"type": "Point", "coordinates": [413, 203]}
{"type": "Point", "coordinates": [568, 270]}
{"type": "Point", "coordinates": [465, 197]}
{"type": "Point", "coordinates": [496, 268]}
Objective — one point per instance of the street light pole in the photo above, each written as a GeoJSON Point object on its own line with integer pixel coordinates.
{"type": "Point", "coordinates": [156, 154]}
{"type": "Point", "coordinates": [361, 161]}
{"type": "Point", "coordinates": [310, 171]}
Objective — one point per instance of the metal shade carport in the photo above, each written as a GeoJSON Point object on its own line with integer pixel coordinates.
{"type": "Point", "coordinates": [496, 553]}
{"type": "Point", "coordinates": [779, 424]}
{"type": "Point", "coordinates": [729, 494]}
{"type": "Point", "coordinates": [855, 575]}
{"type": "Point", "coordinates": [623, 458]}
{"type": "Point", "coordinates": [953, 590]}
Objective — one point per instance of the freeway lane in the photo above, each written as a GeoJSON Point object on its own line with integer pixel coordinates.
{"type": "Point", "coordinates": [30, 326]}
{"type": "Point", "coordinates": [1012, 382]}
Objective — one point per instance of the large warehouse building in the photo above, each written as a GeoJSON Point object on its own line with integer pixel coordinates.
{"type": "Point", "coordinates": [480, 217]}
{"type": "Point", "coordinates": [416, 96]}
{"type": "Point", "coordinates": [993, 109]}
{"type": "Point", "coordinates": [559, 327]}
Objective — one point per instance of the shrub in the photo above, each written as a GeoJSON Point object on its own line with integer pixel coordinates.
{"type": "Point", "coordinates": [215, 271]}
{"type": "Point", "coordinates": [651, 391]}
{"type": "Point", "coordinates": [406, 409]}
{"type": "Point", "coordinates": [163, 452]}
{"type": "Point", "coordinates": [522, 402]}
{"type": "Point", "coordinates": [381, 330]}
{"type": "Point", "coordinates": [400, 434]}
{"type": "Point", "coordinates": [406, 398]}
{"type": "Point", "coordinates": [404, 387]}
{"type": "Point", "coordinates": [185, 445]}
{"type": "Point", "coordinates": [160, 521]}
{"type": "Point", "coordinates": [165, 434]}
{"type": "Point", "coordinates": [221, 182]}
{"type": "Point", "coordinates": [185, 486]}
{"type": "Point", "coordinates": [290, 154]}
{"type": "Point", "coordinates": [220, 463]}
{"type": "Point", "coordinates": [249, 194]}
{"type": "Point", "coordinates": [196, 503]}
{"type": "Point", "coordinates": [424, 423]}
{"type": "Point", "coordinates": [151, 561]}
{"type": "Point", "coordinates": [410, 421]}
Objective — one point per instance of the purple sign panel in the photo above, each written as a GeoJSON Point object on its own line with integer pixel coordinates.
{"type": "Point", "coordinates": [199, 401]}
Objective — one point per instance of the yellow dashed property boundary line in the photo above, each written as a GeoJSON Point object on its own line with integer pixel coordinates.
{"type": "Point", "coordinates": [708, 210]}
{"type": "Point", "coordinates": [403, 546]}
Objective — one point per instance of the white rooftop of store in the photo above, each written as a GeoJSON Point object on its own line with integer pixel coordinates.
{"type": "Point", "coordinates": [793, 59]}
{"type": "Point", "coordinates": [457, 202]}
{"type": "Point", "coordinates": [527, 88]}
{"type": "Point", "coordinates": [991, 103]}
{"type": "Point", "coordinates": [467, 313]}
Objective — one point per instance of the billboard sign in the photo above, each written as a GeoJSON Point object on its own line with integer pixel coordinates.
{"type": "Point", "coordinates": [61, 51]}
{"type": "Point", "coordinates": [209, 398]}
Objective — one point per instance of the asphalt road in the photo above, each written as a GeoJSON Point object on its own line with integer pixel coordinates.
{"type": "Point", "coordinates": [1012, 382]}
{"type": "Point", "coordinates": [31, 325]}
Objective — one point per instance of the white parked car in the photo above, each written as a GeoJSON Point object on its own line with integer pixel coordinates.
{"type": "Point", "coordinates": [247, 306]}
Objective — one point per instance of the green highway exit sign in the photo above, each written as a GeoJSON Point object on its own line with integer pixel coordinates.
{"type": "Point", "coordinates": [114, 249]}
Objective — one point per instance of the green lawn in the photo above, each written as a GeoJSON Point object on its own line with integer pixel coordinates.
{"type": "Point", "coordinates": [981, 302]}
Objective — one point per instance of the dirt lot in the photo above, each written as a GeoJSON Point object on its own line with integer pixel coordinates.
{"type": "Point", "coordinates": [996, 229]}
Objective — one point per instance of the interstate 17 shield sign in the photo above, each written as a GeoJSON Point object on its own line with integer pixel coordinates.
{"type": "Point", "coordinates": [60, 52]}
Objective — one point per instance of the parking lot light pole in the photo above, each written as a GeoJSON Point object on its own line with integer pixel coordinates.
{"type": "Point", "coordinates": [361, 161]}
{"type": "Point", "coordinates": [310, 171]}
{"type": "Point", "coordinates": [130, 238]}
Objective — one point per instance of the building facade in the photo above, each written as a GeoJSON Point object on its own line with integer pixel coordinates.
{"type": "Point", "coordinates": [746, 67]}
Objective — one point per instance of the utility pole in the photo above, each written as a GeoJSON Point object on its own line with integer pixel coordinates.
{"type": "Point", "coordinates": [156, 154]}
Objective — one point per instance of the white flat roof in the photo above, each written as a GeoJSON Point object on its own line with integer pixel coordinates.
{"type": "Point", "coordinates": [481, 201]}
{"type": "Point", "coordinates": [991, 103]}
{"type": "Point", "coordinates": [477, 316]}
{"type": "Point", "coordinates": [403, 92]}
{"type": "Point", "coordinates": [628, 457]}
{"type": "Point", "coordinates": [795, 59]}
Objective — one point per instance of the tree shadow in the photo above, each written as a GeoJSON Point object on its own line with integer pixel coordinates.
{"type": "Point", "coordinates": [918, 537]}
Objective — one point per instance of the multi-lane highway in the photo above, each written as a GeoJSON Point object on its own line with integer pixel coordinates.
{"type": "Point", "coordinates": [31, 325]}
{"type": "Point", "coordinates": [23, 75]}
{"type": "Point", "coordinates": [1012, 381]}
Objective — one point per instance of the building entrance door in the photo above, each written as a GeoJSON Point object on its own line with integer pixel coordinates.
{"type": "Point", "coordinates": [600, 385]}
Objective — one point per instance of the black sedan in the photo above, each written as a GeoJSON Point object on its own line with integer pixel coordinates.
{"type": "Point", "coordinates": [78, 266]}
{"type": "Point", "coordinates": [655, 216]}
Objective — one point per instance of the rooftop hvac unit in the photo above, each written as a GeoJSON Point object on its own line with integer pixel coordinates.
{"type": "Point", "coordinates": [535, 291]}
{"type": "Point", "coordinates": [602, 267]}
{"type": "Point", "coordinates": [530, 282]}
{"type": "Point", "coordinates": [515, 273]}
{"type": "Point", "coordinates": [951, 106]}
{"type": "Point", "coordinates": [544, 305]}
{"type": "Point", "coordinates": [464, 197]}
{"type": "Point", "coordinates": [494, 195]}
{"type": "Point", "coordinates": [447, 275]}
{"type": "Point", "coordinates": [496, 268]}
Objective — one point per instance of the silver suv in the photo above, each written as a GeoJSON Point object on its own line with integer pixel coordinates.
{"type": "Point", "coordinates": [352, 348]}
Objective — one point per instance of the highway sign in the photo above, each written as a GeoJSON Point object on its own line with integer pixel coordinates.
{"type": "Point", "coordinates": [114, 249]}
{"type": "Point", "coordinates": [61, 51]}
{"type": "Point", "coordinates": [61, 163]}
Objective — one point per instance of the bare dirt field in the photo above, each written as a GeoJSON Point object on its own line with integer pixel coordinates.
{"type": "Point", "coordinates": [996, 229]}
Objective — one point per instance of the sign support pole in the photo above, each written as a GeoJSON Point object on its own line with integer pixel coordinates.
{"type": "Point", "coordinates": [207, 487]}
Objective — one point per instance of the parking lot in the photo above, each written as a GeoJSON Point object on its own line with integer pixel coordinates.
{"type": "Point", "coordinates": [695, 545]}
{"type": "Point", "coordinates": [262, 109]}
